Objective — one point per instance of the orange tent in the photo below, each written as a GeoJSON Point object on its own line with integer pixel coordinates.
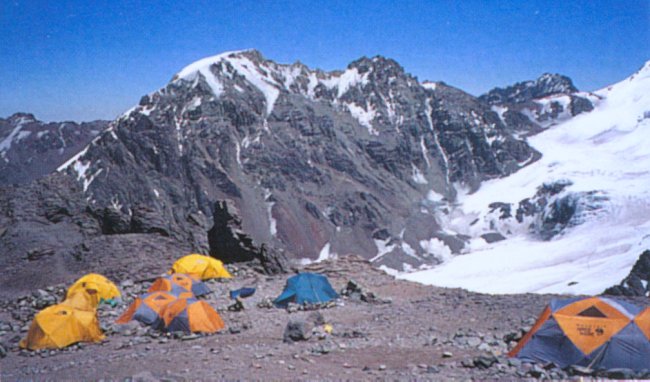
{"type": "Point", "coordinates": [190, 315]}
{"type": "Point", "coordinates": [598, 332]}
{"type": "Point", "coordinates": [179, 283]}
{"type": "Point", "coordinates": [147, 307]}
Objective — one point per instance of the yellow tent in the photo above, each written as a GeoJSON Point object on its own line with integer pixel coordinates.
{"type": "Point", "coordinates": [59, 326]}
{"type": "Point", "coordinates": [82, 299]}
{"type": "Point", "coordinates": [104, 288]}
{"type": "Point", "coordinates": [203, 267]}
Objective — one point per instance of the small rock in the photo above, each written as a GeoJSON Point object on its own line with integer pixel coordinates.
{"type": "Point", "coordinates": [620, 373]}
{"type": "Point", "coordinates": [190, 337]}
{"type": "Point", "coordinates": [447, 354]}
{"type": "Point", "coordinates": [485, 362]}
{"type": "Point", "coordinates": [473, 341]}
{"type": "Point", "coordinates": [382, 367]}
{"type": "Point", "coordinates": [297, 330]}
{"type": "Point", "coordinates": [467, 363]}
{"type": "Point", "coordinates": [580, 370]}
{"type": "Point", "coordinates": [432, 370]}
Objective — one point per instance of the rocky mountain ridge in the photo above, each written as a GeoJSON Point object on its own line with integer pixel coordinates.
{"type": "Point", "coordinates": [311, 162]}
{"type": "Point", "coordinates": [30, 149]}
{"type": "Point", "coordinates": [247, 159]}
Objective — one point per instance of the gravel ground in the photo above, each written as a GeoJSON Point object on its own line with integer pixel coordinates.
{"type": "Point", "coordinates": [410, 331]}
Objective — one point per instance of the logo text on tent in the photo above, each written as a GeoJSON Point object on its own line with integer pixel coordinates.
{"type": "Point", "coordinates": [590, 330]}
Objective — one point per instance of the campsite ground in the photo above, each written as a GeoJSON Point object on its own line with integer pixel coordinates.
{"type": "Point", "coordinates": [422, 333]}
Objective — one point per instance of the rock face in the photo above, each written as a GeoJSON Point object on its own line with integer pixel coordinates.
{"type": "Point", "coordinates": [31, 149]}
{"type": "Point", "coordinates": [546, 85]}
{"type": "Point", "coordinates": [531, 106]}
{"type": "Point", "coordinates": [49, 234]}
{"type": "Point", "coordinates": [302, 162]}
{"type": "Point", "coordinates": [637, 283]}
{"type": "Point", "coordinates": [250, 160]}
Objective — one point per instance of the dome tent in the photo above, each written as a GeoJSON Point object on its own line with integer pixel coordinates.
{"type": "Point", "coordinates": [179, 283]}
{"type": "Point", "coordinates": [311, 288]}
{"type": "Point", "coordinates": [61, 325]}
{"type": "Point", "coordinates": [189, 315]}
{"type": "Point", "coordinates": [104, 288]}
{"type": "Point", "coordinates": [201, 267]}
{"type": "Point", "coordinates": [597, 332]}
{"type": "Point", "coordinates": [147, 307]}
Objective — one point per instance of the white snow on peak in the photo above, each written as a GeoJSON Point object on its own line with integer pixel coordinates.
{"type": "Point", "coordinates": [345, 81]}
{"type": "Point", "coordinates": [271, 79]}
{"type": "Point", "coordinates": [244, 66]}
{"type": "Point", "coordinates": [430, 85]}
{"type": "Point", "coordinates": [606, 150]}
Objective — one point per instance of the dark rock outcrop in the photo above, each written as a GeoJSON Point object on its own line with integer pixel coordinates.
{"type": "Point", "coordinates": [637, 283]}
{"type": "Point", "coordinates": [532, 106]}
{"type": "Point", "coordinates": [545, 85]}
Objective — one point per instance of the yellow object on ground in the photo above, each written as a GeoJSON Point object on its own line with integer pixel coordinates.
{"type": "Point", "coordinates": [59, 326]}
{"type": "Point", "coordinates": [328, 328]}
{"type": "Point", "coordinates": [104, 287]}
{"type": "Point", "coordinates": [203, 267]}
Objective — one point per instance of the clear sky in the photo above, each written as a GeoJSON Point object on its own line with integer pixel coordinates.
{"type": "Point", "coordinates": [82, 60]}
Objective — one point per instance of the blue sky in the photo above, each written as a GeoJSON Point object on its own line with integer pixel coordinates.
{"type": "Point", "coordinates": [83, 60]}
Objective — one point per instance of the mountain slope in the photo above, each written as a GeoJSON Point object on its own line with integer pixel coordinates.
{"type": "Point", "coordinates": [30, 149]}
{"type": "Point", "coordinates": [312, 163]}
{"type": "Point", "coordinates": [577, 219]}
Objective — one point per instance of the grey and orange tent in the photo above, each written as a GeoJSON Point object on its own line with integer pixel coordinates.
{"type": "Point", "coordinates": [147, 307]}
{"type": "Point", "coordinates": [179, 283]}
{"type": "Point", "coordinates": [597, 332]}
{"type": "Point", "coordinates": [189, 315]}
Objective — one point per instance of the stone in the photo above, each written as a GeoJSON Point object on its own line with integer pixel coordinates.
{"type": "Point", "coordinates": [579, 370]}
{"type": "Point", "coordinates": [297, 330]}
{"type": "Point", "coordinates": [447, 354]}
{"type": "Point", "coordinates": [474, 341]}
{"type": "Point", "coordinates": [485, 362]}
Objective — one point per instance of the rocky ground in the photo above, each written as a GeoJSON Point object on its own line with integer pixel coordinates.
{"type": "Point", "coordinates": [408, 331]}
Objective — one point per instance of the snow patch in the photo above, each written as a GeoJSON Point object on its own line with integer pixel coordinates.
{"type": "Point", "coordinates": [436, 248]}
{"type": "Point", "coordinates": [273, 224]}
{"type": "Point", "coordinates": [364, 116]}
{"type": "Point", "coordinates": [417, 175]}
{"type": "Point", "coordinates": [325, 253]}
{"type": "Point", "coordinates": [382, 249]}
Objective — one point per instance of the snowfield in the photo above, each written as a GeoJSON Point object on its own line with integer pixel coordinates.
{"type": "Point", "coordinates": [606, 150]}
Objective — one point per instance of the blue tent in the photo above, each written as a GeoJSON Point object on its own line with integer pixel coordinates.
{"type": "Point", "coordinates": [303, 288]}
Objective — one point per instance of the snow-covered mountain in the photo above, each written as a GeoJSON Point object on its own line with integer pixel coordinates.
{"type": "Point", "coordinates": [30, 149]}
{"type": "Point", "coordinates": [576, 220]}
{"type": "Point", "coordinates": [542, 188]}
